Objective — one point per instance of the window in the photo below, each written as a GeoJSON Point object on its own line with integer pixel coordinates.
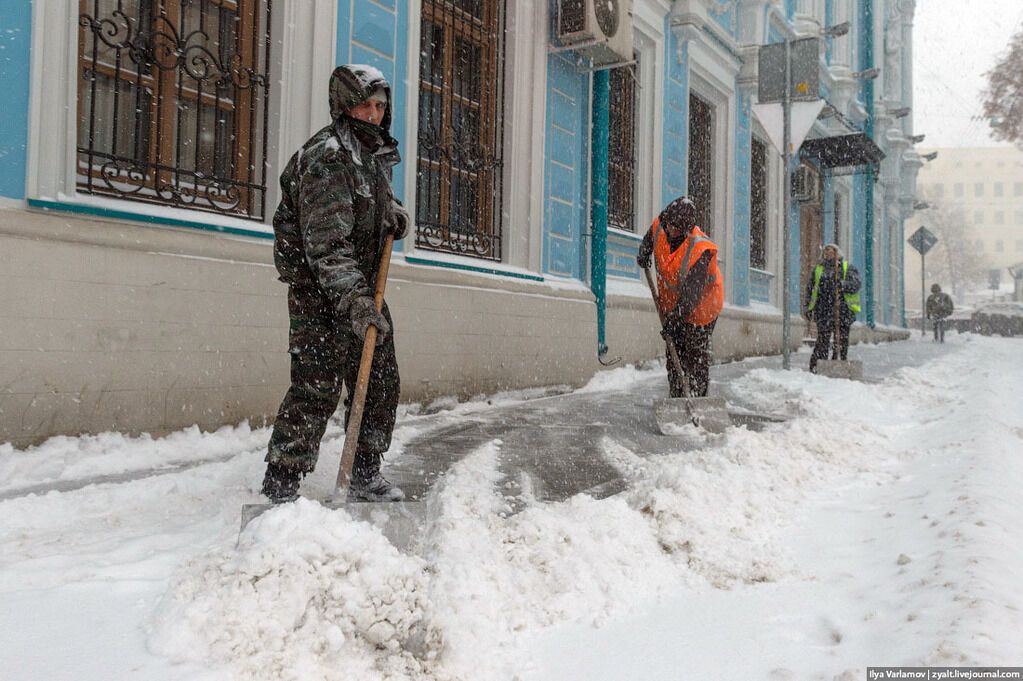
{"type": "Point", "coordinates": [999, 217]}
{"type": "Point", "coordinates": [172, 103]}
{"type": "Point", "coordinates": [1019, 245]}
{"type": "Point", "coordinates": [1017, 189]}
{"type": "Point", "coordinates": [1019, 218]}
{"type": "Point", "coordinates": [758, 205]}
{"type": "Point", "coordinates": [979, 245]}
{"type": "Point", "coordinates": [701, 160]}
{"type": "Point", "coordinates": [621, 157]}
{"type": "Point", "coordinates": [461, 102]}
{"type": "Point", "coordinates": [999, 246]}
{"type": "Point", "coordinates": [978, 217]}
{"type": "Point", "coordinates": [978, 189]}
{"type": "Point", "coordinates": [958, 189]}
{"type": "Point", "coordinates": [938, 190]}
{"type": "Point", "coordinates": [999, 188]}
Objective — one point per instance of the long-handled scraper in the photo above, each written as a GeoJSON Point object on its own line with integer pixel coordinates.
{"type": "Point", "coordinates": [709, 413]}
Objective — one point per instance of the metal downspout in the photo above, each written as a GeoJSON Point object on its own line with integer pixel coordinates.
{"type": "Point", "coordinates": [598, 206]}
{"type": "Point", "coordinates": [868, 251]}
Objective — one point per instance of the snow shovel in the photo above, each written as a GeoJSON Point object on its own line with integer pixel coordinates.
{"type": "Point", "coordinates": [709, 413]}
{"type": "Point", "coordinates": [399, 521]}
{"type": "Point", "coordinates": [835, 367]}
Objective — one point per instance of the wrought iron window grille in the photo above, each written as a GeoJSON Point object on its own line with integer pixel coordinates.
{"type": "Point", "coordinates": [459, 169]}
{"type": "Point", "coordinates": [621, 158]}
{"type": "Point", "coordinates": [173, 99]}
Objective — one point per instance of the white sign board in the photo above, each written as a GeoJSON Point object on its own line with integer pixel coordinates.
{"type": "Point", "coordinates": [803, 116]}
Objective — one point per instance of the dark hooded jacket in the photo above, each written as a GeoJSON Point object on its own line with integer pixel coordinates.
{"type": "Point", "coordinates": [939, 304]}
{"type": "Point", "coordinates": [336, 197]}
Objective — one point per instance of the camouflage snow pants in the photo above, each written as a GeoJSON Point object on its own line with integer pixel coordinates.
{"type": "Point", "coordinates": [325, 354]}
{"type": "Point", "coordinates": [694, 351]}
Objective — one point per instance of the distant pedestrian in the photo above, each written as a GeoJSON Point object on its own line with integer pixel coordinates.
{"type": "Point", "coordinates": [833, 279]}
{"type": "Point", "coordinates": [690, 290]}
{"type": "Point", "coordinates": [336, 209]}
{"type": "Point", "coordinates": [939, 308]}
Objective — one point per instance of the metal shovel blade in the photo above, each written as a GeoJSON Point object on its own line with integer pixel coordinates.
{"type": "Point", "coordinates": [401, 522]}
{"type": "Point", "coordinates": [709, 413]}
{"type": "Point", "coordinates": [840, 368]}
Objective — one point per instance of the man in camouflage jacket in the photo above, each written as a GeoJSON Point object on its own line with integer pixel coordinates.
{"type": "Point", "coordinates": [335, 211]}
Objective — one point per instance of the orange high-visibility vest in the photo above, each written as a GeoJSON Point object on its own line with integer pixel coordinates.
{"type": "Point", "coordinates": [672, 266]}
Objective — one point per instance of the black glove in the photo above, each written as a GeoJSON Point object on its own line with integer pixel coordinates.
{"type": "Point", "coordinates": [399, 221]}
{"type": "Point", "coordinates": [364, 313]}
{"type": "Point", "coordinates": [644, 254]}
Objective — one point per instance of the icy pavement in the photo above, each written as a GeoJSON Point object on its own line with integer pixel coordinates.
{"type": "Point", "coordinates": [876, 526]}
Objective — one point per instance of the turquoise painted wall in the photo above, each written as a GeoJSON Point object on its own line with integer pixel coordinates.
{"type": "Point", "coordinates": [739, 264]}
{"type": "Point", "coordinates": [859, 222]}
{"type": "Point", "coordinates": [760, 286]}
{"type": "Point", "coordinates": [566, 168]}
{"type": "Point", "coordinates": [794, 284]}
{"type": "Point", "coordinates": [374, 32]}
{"type": "Point", "coordinates": [828, 210]}
{"type": "Point", "coordinates": [728, 19]}
{"type": "Point", "coordinates": [674, 167]}
{"type": "Point", "coordinates": [15, 50]}
{"type": "Point", "coordinates": [621, 253]}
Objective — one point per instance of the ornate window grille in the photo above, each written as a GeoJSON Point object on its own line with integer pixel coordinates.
{"type": "Point", "coordinates": [758, 205]}
{"type": "Point", "coordinates": [172, 103]}
{"type": "Point", "coordinates": [461, 107]}
{"type": "Point", "coordinates": [701, 161]}
{"type": "Point", "coordinates": [621, 158]}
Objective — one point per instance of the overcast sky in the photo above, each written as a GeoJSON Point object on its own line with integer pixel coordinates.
{"type": "Point", "coordinates": [954, 43]}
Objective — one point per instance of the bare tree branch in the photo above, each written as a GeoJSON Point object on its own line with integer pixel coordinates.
{"type": "Point", "coordinates": [1003, 97]}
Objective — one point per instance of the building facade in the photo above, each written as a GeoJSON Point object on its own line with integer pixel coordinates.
{"type": "Point", "coordinates": [142, 140]}
{"type": "Point", "coordinates": [986, 185]}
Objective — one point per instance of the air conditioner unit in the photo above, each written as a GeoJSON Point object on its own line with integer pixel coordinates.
{"type": "Point", "coordinates": [598, 29]}
{"type": "Point", "coordinates": [805, 186]}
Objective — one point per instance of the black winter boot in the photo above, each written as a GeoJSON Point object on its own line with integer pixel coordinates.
{"type": "Point", "coordinates": [367, 482]}
{"type": "Point", "coordinates": [376, 488]}
{"type": "Point", "coordinates": [280, 484]}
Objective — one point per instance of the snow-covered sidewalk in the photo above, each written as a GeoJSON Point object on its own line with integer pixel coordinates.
{"type": "Point", "coordinates": [875, 527]}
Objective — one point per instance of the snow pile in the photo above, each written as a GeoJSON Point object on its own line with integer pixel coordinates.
{"type": "Point", "coordinates": [307, 594]}
{"type": "Point", "coordinates": [74, 458]}
{"type": "Point", "coordinates": [497, 579]}
{"type": "Point", "coordinates": [311, 594]}
{"type": "Point", "coordinates": [719, 509]}
{"type": "Point", "coordinates": [621, 378]}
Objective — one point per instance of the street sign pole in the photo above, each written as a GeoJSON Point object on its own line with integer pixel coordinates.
{"type": "Point", "coordinates": [786, 103]}
{"type": "Point", "coordinates": [923, 295]}
{"type": "Point", "coordinates": [923, 240]}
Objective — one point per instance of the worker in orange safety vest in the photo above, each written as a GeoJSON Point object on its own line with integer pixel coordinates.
{"type": "Point", "coordinates": [690, 290]}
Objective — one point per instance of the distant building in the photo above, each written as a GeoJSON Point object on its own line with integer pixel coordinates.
{"type": "Point", "coordinates": [986, 184]}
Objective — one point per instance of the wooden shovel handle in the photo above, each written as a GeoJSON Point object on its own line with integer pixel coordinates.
{"type": "Point", "coordinates": [344, 472]}
{"type": "Point", "coordinates": [837, 311]}
{"type": "Point", "coordinates": [672, 350]}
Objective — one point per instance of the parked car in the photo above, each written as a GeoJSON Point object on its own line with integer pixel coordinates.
{"type": "Point", "coordinates": [1004, 319]}
{"type": "Point", "coordinates": [961, 320]}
